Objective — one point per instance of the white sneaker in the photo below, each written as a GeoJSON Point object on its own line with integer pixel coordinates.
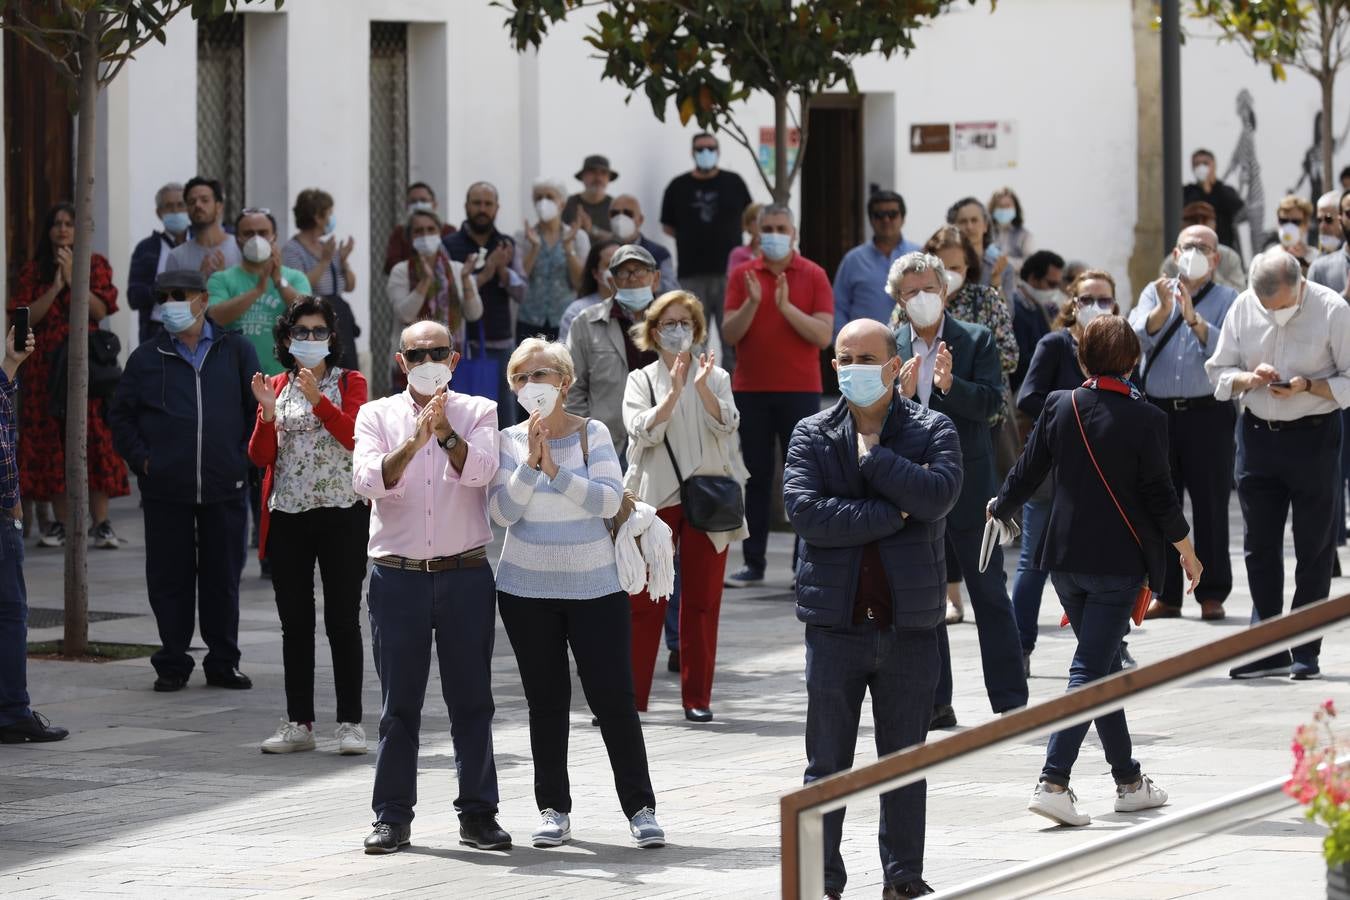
{"type": "Point", "coordinates": [554, 828]}
{"type": "Point", "coordinates": [1057, 806]}
{"type": "Point", "coordinates": [1146, 795]}
{"type": "Point", "coordinates": [290, 737]}
{"type": "Point", "coordinates": [351, 739]}
{"type": "Point", "coordinates": [646, 832]}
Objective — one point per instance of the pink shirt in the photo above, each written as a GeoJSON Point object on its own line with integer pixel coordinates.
{"type": "Point", "coordinates": [432, 510]}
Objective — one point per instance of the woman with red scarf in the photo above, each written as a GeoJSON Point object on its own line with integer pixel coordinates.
{"type": "Point", "coordinates": [1112, 515]}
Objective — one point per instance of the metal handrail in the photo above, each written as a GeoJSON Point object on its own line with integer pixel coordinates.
{"type": "Point", "coordinates": [801, 810]}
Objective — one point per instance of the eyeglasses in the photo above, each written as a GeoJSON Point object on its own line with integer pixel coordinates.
{"type": "Point", "coordinates": [1327, 219]}
{"type": "Point", "coordinates": [317, 333]}
{"type": "Point", "coordinates": [1104, 303]}
{"type": "Point", "coordinates": [630, 213]}
{"type": "Point", "coordinates": [885, 214]}
{"type": "Point", "coordinates": [178, 295]}
{"type": "Point", "coordinates": [518, 379]}
{"type": "Point", "coordinates": [1284, 221]}
{"type": "Point", "coordinates": [415, 355]}
{"type": "Point", "coordinates": [633, 274]}
{"type": "Point", "coordinates": [1198, 247]}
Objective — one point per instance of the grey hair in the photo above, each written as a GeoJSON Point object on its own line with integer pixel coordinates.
{"type": "Point", "coordinates": [549, 184]}
{"type": "Point", "coordinates": [776, 209]}
{"type": "Point", "coordinates": [911, 264]}
{"type": "Point", "coordinates": [159, 194]}
{"type": "Point", "coordinates": [1274, 270]}
{"type": "Point", "coordinates": [1330, 198]}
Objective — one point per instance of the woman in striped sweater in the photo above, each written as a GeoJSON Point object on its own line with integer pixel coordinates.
{"type": "Point", "coordinates": [558, 586]}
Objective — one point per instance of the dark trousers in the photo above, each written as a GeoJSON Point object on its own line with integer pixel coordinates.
{"type": "Point", "coordinates": [1098, 607]}
{"type": "Point", "coordinates": [900, 670]}
{"type": "Point", "coordinates": [598, 632]}
{"type": "Point", "coordinates": [528, 330]}
{"type": "Point", "coordinates": [508, 410]}
{"type": "Point", "coordinates": [407, 610]}
{"type": "Point", "coordinates": [13, 624]}
{"type": "Point", "coordinates": [1029, 582]}
{"type": "Point", "coordinates": [1000, 646]}
{"type": "Point", "coordinates": [1298, 469]}
{"type": "Point", "coordinates": [1200, 443]}
{"type": "Point", "coordinates": [767, 420]}
{"type": "Point", "coordinates": [193, 556]}
{"type": "Point", "coordinates": [335, 539]}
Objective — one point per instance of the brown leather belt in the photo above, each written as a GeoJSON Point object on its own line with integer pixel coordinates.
{"type": "Point", "coordinates": [469, 559]}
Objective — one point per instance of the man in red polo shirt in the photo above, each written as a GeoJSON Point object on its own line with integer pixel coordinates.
{"type": "Point", "coordinates": [779, 315]}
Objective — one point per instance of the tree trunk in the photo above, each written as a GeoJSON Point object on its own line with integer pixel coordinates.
{"type": "Point", "coordinates": [1328, 80]}
{"type": "Point", "coordinates": [782, 184]}
{"type": "Point", "coordinates": [77, 373]}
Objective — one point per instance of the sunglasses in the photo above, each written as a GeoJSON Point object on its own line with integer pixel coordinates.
{"type": "Point", "coordinates": [518, 379]}
{"type": "Point", "coordinates": [178, 295]}
{"type": "Point", "coordinates": [415, 355]}
{"type": "Point", "coordinates": [317, 333]}
{"type": "Point", "coordinates": [255, 211]}
{"type": "Point", "coordinates": [630, 213]}
{"type": "Point", "coordinates": [1104, 303]}
{"type": "Point", "coordinates": [886, 214]}
{"type": "Point", "coordinates": [1327, 219]}
{"type": "Point", "coordinates": [1283, 221]}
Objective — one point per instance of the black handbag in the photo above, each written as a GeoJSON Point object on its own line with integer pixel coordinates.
{"type": "Point", "coordinates": [711, 502]}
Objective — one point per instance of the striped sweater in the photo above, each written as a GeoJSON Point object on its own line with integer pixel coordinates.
{"type": "Point", "coordinates": [556, 542]}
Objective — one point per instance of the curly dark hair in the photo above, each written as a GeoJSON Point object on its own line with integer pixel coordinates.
{"type": "Point", "coordinates": [305, 306]}
{"type": "Point", "coordinates": [588, 283]}
{"type": "Point", "coordinates": [45, 257]}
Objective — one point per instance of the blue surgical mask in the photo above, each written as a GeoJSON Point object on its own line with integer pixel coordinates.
{"type": "Point", "coordinates": [1004, 215]}
{"type": "Point", "coordinates": [309, 353]}
{"type": "Point", "coordinates": [176, 222]}
{"type": "Point", "coordinates": [705, 159]}
{"type": "Point", "coordinates": [775, 246]}
{"type": "Point", "coordinates": [862, 385]}
{"type": "Point", "coordinates": [331, 226]}
{"type": "Point", "coordinates": [634, 299]}
{"type": "Point", "coordinates": [178, 315]}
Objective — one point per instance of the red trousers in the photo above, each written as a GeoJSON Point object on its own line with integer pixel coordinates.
{"type": "Point", "coordinates": [701, 571]}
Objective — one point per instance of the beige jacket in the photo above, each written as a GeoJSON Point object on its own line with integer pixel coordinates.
{"type": "Point", "coordinates": [702, 445]}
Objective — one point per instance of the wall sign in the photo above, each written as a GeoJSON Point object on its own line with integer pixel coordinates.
{"type": "Point", "coordinates": [766, 149]}
{"type": "Point", "coordinates": [986, 145]}
{"type": "Point", "coordinates": [930, 138]}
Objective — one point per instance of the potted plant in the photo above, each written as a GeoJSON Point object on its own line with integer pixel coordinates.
{"type": "Point", "coordinates": [1322, 784]}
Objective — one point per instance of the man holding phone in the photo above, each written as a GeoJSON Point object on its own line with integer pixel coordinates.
{"type": "Point", "coordinates": [1284, 350]}
{"type": "Point", "coordinates": [18, 723]}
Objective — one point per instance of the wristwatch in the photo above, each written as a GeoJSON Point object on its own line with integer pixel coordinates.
{"type": "Point", "coordinates": [450, 442]}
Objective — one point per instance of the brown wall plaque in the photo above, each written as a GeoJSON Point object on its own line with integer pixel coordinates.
{"type": "Point", "coordinates": [930, 138]}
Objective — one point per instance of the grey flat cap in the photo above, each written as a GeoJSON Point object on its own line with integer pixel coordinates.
{"type": "Point", "coordinates": [189, 280]}
{"type": "Point", "coordinates": [632, 251]}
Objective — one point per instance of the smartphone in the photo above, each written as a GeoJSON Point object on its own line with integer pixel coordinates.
{"type": "Point", "coordinates": [1282, 384]}
{"type": "Point", "coordinates": [18, 320]}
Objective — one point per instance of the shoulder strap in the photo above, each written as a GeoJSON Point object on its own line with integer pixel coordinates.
{"type": "Point", "coordinates": [1106, 484]}
{"type": "Point", "coordinates": [1157, 348]}
{"type": "Point", "coordinates": [651, 392]}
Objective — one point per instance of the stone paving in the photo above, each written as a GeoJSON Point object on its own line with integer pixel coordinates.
{"type": "Point", "coordinates": [162, 795]}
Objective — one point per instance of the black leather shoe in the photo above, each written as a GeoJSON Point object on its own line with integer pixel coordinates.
{"type": "Point", "coordinates": [673, 662]}
{"type": "Point", "coordinates": [35, 730]}
{"type": "Point", "coordinates": [943, 717]}
{"type": "Point", "coordinates": [698, 715]}
{"type": "Point", "coordinates": [483, 833]}
{"type": "Point", "coordinates": [234, 680]}
{"type": "Point", "coordinates": [916, 888]}
{"type": "Point", "coordinates": [388, 838]}
{"type": "Point", "coordinates": [168, 683]}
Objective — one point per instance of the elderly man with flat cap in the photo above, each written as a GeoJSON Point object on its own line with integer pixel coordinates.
{"type": "Point", "coordinates": [182, 417]}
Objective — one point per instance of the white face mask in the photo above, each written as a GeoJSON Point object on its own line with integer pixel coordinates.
{"type": "Point", "coordinates": [538, 396]}
{"type": "Point", "coordinates": [924, 309]}
{"type": "Point", "coordinates": [1086, 314]}
{"type": "Point", "coordinates": [675, 338]}
{"type": "Point", "coordinates": [1047, 297]}
{"type": "Point", "coordinates": [420, 206]}
{"type": "Point", "coordinates": [257, 249]}
{"type": "Point", "coordinates": [1282, 316]}
{"type": "Point", "coordinates": [427, 244]}
{"type": "Point", "coordinates": [1289, 234]}
{"type": "Point", "coordinates": [1202, 171]}
{"type": "Point", "coordinates": [429, 377]}
{"type": "Point", "coordinates": [622, 226]}
{"type": "Point", "coordinates": [547, 208]}
{"type": "Point", "coordinates": [954, 280]}
{"type": "Point", "coordinates": [1328, 243]}
{"type": "Point", "coordinates": [1193, 265]}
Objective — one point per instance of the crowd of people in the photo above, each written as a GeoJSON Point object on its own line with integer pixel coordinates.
{"type": "Point", "coordinates": [619, 411]}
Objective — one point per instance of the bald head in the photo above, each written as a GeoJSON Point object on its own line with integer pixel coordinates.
{"type": "Point", "coordinates": [864, 341]}
{"type": "Point", "coordinates": [1199, 234]}
{"type": "Point", "coordinates": [426, 333]}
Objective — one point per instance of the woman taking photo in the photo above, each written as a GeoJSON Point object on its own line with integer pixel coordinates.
{"type": "Point", "coordinates": [1112, 514]}
{"type": "Point", "coordinates": [303, 441]}
{"type": "Point", "coordinates": [553, 257]}
{"type": "Point", "coordinates": [317, 251]}
{"type": "Point", "coordinates": [681, 422]}
{"type": "Point", "coordinates": [1054, 367]}
{"type": "Point", "coordinates": [44, 287]}
{"type": "Point", "coordinates": [558, 587]}
{"type": "Point", "coordinates": [429, 285]}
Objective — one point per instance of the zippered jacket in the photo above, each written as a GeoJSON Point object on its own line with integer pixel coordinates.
{"type": "Point", "coordinates": [184, 431]}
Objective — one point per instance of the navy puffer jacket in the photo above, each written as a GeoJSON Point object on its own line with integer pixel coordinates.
{"type": "Point", "coordinates": [838, 505]}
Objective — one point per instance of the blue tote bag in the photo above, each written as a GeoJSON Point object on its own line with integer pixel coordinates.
{"type": "Point", "coordinates": [478, 373]}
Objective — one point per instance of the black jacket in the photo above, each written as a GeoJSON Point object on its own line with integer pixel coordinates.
{"type": "Point", "coordinates": [192, 426]}
{"type": "Point", "coordinates": [838, 505]}
{"type": "Point", "coordinates": [141, 281]}
{"type": "Point", "coordinates": [1054, 367]}
{"type": "Point", "coordinates": [1084, 533]}
{"type": "Point", "coordinates": [976, 395]}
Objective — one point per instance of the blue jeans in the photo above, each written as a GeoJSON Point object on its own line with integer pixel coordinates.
{"type": "Point", "coordinates": [407, 609]}
{"type": "Point", "coordinates": [900, 669]}
{"type": "Point", "coordinates": [13, 624]}
{"type": "Point", "coordinates": [1098, 607]}
{"type": "Point", "coordinates": [1029, 582]}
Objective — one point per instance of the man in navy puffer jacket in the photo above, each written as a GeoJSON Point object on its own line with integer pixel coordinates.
{"type": "Point", "coordinates": [868, 486]}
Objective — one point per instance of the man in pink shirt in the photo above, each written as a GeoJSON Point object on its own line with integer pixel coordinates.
{"type": "Point", "coordinates": [425, 459]}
